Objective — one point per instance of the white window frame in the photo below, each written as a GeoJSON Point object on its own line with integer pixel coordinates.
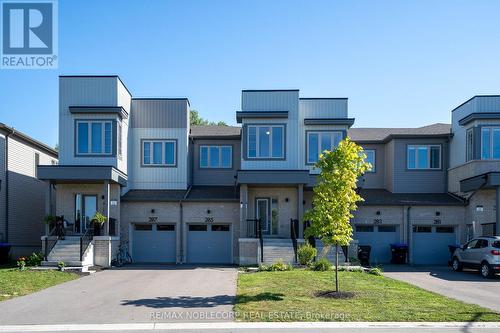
{"type": "Point", "coordinates": [89, 137]}
{"type": "Point", "coordinates": [219, 166]}
{"type": "Point", "coordinates": [428, 156]}
{"type": "Point", "coordinates": [257, 152]}
{"type": "Point", "coordinates": [374, 167]}
{"type": "Point", "coordinates": [490, 144]}
{"type": "Point", "coordinates": [319, 133]}
{"type": "Point", "coordinates": [163, 155]}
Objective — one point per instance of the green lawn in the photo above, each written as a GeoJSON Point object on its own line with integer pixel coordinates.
{"type": "Point", "coordinates": [14, 282]}
{"type": "Point", "coordinates": [289, 296]}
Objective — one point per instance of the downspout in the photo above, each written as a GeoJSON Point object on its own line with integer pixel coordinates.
{"type": "Point", "coordinates": [7, 184]}
{"type": "Point", "coordinates": [409, 235]}
{"type": "Point", "coordinates": [181, 224]}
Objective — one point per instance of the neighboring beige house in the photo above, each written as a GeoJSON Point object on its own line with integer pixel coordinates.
{"type": "Point", "coordinates": [22, 195]}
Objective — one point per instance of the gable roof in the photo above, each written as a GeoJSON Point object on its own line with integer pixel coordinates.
{"type": "Point", "coordinates": [386, 134]}
{"type": "Point", "coordinates": [200, 132]}
{"type": "Point", "coordinates": [27, 139]}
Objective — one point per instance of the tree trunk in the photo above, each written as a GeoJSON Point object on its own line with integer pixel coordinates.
{"type": "Point", "coordinates": [336, 268]}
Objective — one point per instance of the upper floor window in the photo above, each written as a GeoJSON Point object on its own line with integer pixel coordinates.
{"type": "Point", "coordinates": [119, 129]}
{"type": "Point", "coordinates": [370, 158]}
{"type": "Point", "coordinates": [216, 156]}
{"type": "Point", "coordinates": [94, 137]}
{"type": "Point", "coordinates": [159, 153]}
{"type": "Point", "coordinates": [469, 145]}
{"type": "Point", "coordinates": [424, 157]}
{"type": "Point", "coordinates": [265, 141]}
{"type": "Point", "coordinates": [317, 142]}
{"type": "Point", "coordinates": [490, 143]}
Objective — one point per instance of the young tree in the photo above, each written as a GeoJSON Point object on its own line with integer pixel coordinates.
{"type": "Point", "coordinates": [196, 119]}
{"type": "Point", "coordinates": [335, 196]}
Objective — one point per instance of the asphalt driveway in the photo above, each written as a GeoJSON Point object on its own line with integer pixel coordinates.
{"type": "Point", "coordinates": [467, 286]}
{"type": "Point", "coordinates": [134, 294]}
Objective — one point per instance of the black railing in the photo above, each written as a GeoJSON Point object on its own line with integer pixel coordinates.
{"type": "Point", "coordinates": [50, 242]}
{"type": "Point", "coordinates": [294, 227]}
{"type": "Point", "coordinates": [254, 230]}
{"type": "Point", "coordinates": [85, 241]}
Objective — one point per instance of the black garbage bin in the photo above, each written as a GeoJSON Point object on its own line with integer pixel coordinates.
{"type": "Point", "coordinates": [4, 253]}
{"type": "Point", "coordinates": [398, 252]}
{"type": "Point", "coordinates": [452, 249]}
{"type": "Point", "coordinates": [364, 254]}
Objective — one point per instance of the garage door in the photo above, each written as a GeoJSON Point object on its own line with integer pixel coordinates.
{"type": "Point", "coordinates": [209, 244]}
{"type": "Point", "coordinates": [430, 244]}
{"type": "Point", "coordinates": [154, 243]}
{"type": "Point", "coordinates": [379, 238]}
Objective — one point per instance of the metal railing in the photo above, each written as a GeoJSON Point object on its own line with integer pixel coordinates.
{"type": "Point", "coordinates": [50, 242]}
{"type": "Point", "coordinates": [254, 230]}
{"type": "Point", "coordinates": [85, 241]}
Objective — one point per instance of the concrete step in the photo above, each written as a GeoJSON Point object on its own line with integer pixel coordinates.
{"type": "Point", "coordinates": [70, 265]}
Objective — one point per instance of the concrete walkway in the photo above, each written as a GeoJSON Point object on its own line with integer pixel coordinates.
{"type": "Point", "coordinates": [134, 294]}
{"type": "Point", "coordinates": [466, 286]}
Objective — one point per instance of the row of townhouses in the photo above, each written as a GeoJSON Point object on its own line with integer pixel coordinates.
{"type": "Point", "coordinates": [175, 193]}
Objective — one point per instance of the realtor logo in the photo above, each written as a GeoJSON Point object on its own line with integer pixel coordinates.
{"type": "Point", "coordinates": [29, 34]}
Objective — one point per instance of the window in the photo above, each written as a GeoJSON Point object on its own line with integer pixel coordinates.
{"type": "Point", "coordinates": [165, 227]}
{"type": "Point", "coordinates": [266, 141]}
{"type": "Point", "coordinates": [158, 153]}
{"type": "Point", "coordinates": [481, 244]}
{"type": "Point", "coordinates": [220, 227]}
{"type": "Point", "coordinates": [216, 156]}
{"type": "Point", "coordinates": [470, 145]}
{"type": "Point", "coordinates": [94, 137]}
{"type": "Point", "coordinates": [424, 229]}
{"type": "Point", "coordinates": [119, 140]}
{"type": "Point", "coordinates": [317, 142]}
{"type": "Point", "coordinates": [197, 227]}
{"type": "Point", "coordinates": [445, 230]}
{"type": "Point", "coordinates": [424, 157]}
{"type": "Point", "coordinates": [370, 158]}
{"type": "Point", "coordinates": [143, 227]}
{"type": "Point", "coordinates": [386, 228]}
{"type": "Point", "coordinates": [364, 228]}
{"type": "Point", "coordinates": [471, 244]}
{"type": "Point", "coordinates": [490, 143]}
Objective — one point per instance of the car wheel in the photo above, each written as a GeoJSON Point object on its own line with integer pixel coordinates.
{"type": "Point", "coordinates": [456, 265]}
{"type": "Point", "coordinates": [486, 271]}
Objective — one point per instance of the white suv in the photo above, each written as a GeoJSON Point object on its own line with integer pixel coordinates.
{"type": "Point", "coordinates": [482, 252]}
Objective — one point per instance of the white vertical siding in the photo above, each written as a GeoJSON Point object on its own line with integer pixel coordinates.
{"type": "Point", "coordinates": [124, 100]}
{"type": "Point", "coordinates": [274, 101]}
{"type": "Point", "coordinates": [85, 91]}
{"type": "Point", "coordinates": [158, 177]}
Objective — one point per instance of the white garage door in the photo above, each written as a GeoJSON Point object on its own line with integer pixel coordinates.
{"type": "Point", "coordinates": [379, 238]}
{"type": "Point", "coordinates": [154, 243]}
{"type": "Point", "coordinates": [209, 244]}
{"type": "Point", "coordinates": [430, 244]}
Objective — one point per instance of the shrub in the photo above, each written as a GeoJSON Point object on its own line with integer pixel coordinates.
{"type": "Point", "coordinates": [21, 263]}
{"type": "Point", "coordinates": [61, 265]}
{"type": "Point", "coordinates": [322, 265]}
{"type": "Point", "coordinates": [306, 254]}
{"type": "Point", "coordinates": [278, 266]}
{"type": "Point", "coordinates": [35, 259]}
{"type": "Point", "coordinates": [375, 271]}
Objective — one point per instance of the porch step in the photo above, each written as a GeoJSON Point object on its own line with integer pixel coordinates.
{"type": "Point", "coordinates": [68, 250]}
{"type": "Point", "coordinates": [276, 249]}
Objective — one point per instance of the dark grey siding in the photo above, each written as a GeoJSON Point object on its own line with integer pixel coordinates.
{"type": "Point", "coordinates": [159, 113]}
{"type": "Point", "coordinates": [418, 181]}
{"type": "Point", "coordinates": [376, 179]}
{"type": "Point", "coordinates": [206, 176]}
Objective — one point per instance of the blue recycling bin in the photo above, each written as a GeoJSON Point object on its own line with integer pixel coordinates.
{"type": "Point", "coordinates": [4, 253]}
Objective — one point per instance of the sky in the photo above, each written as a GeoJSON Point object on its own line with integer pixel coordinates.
{"type": "Point", "coordinates": [400, 63]}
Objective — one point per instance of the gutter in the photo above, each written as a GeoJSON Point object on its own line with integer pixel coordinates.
{"type": "Point", "coordinates": [409, 236]}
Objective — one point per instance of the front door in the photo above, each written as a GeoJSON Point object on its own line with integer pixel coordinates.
{"type": "Point", "coordinates": [267, 212]}
{"type": "Point", "coordinates": [89, 210]}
